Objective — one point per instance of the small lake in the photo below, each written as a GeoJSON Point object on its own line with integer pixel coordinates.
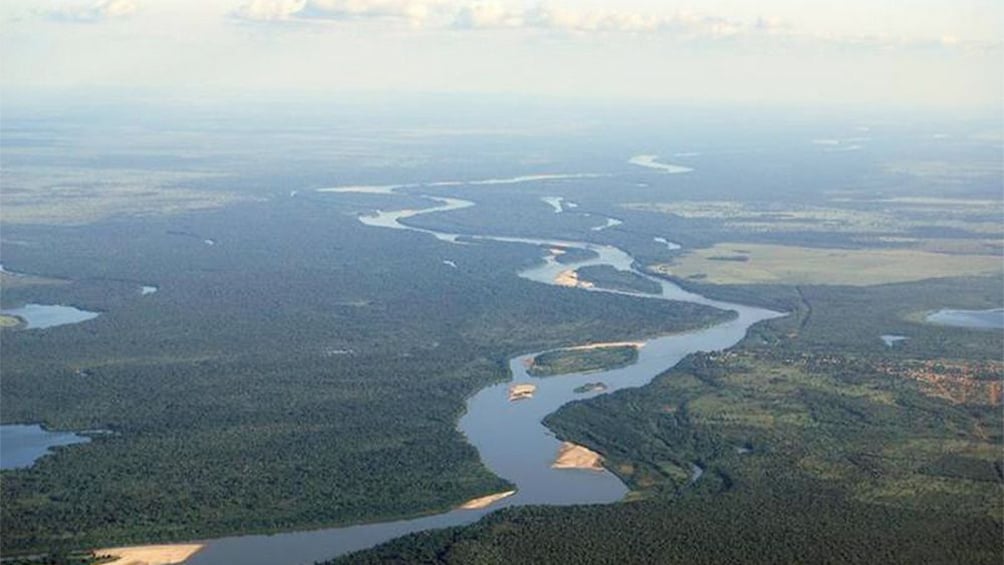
{"type": "Point", "coordinates": [890, 340]}
{"type": "Point", "coordinates": [22, 444]}
{"type": "Point", "coordinates": [992, 319]}
{"type": "Point", "coordinates": [39, 316]}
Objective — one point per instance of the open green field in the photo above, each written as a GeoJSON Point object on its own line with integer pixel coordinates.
{"type": "Point", "coordinates": [53, 195]}
{"type": "Point", "coordinates": [847, 212]}
{"type": "Point", "coordinates": [749, 263]}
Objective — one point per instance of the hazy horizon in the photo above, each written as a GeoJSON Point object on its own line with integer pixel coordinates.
{"type": "Point", "coordinates": [778, 53]}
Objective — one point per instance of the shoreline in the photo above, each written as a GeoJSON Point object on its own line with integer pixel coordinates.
{"type": "Point", "coordinates": [485, 501]}
{"type": "Point", "coordinates": [165, 554]}
{"type": "Point", "coordinates": [574, 456]}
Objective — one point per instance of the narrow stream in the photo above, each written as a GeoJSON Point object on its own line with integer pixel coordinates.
{"type": "Point", "coordinates": [509, 436]}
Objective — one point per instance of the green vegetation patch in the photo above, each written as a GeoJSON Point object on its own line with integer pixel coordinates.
{"type": "Point", "coordinates": [565, 361]}
{"type": "Point", "coordinates": [606, 276]}
{"type": "Point", "coordinates": [571, 255]}
{"type": "Point", "coordinates": [788, 264]}
{"type": "Point", "coordinates": [51, 195]}
{"type": "Point", "coordinates": [9, 321]}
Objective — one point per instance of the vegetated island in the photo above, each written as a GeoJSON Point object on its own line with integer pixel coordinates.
{"type": "Point", "coordinates": [608, 277]}
{"type": "Point", "coordinates": [570, 255]}
{"type": "Point", "coordinates": [590, 387]}
{"type": "Point", "coordinates": [574, 456]}
{"type": "Point", "coordinates": [583, 359]}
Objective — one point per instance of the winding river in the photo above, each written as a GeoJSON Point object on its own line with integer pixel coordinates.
{"type": "Point", "coordinates": [509, 436]}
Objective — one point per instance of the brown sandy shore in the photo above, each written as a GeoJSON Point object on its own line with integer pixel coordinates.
{"type": "Point", "coordinates": [574, 456]}
{"type": "Point", "coordinates": [521, 391]}
{"type": "Point", "coordinates": [570, 278]}
{"type": "Point", "coordinates": [149, 554]}
{"type": "Point", "coordinates": [485, 501]}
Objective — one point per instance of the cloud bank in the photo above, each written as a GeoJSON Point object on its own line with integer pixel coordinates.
{"type": "Point", "coordinates": [493, 14]}
{"type": "Point", "coordinates": [415, 12]}
{"type": "Point", "coordinates": [459, 15]}
{"type": "Point", "coordinates": [101, 10]}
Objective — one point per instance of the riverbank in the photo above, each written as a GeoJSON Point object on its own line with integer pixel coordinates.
{"type": "Point", "coordinates": [485, 501]}
{"type": "Point", "coordinates": [574, 456]}
{"type": "Point", "coordinates": [149, 554]}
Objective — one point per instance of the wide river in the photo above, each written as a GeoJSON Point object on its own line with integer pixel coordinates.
{"type": "Point", "coordinates": [509, 436]}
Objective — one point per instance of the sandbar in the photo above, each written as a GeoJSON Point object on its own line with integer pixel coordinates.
{"type": "Point", "coordinates": [574, 456]}
{"type": "Point", "coordinates": [149, 554]}
{"type": "Point", "coordinates": [521, 391]}
{"type": "Point", "coordinates": [571, 278]}
{"type": "Point", "coordinates": [485, 501]}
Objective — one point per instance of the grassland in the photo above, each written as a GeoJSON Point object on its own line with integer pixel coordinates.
{"type": "Point", "coordinates": [847, 213]}
{"type": "Point", "coordinates": [564, 361]}
{"type": "Point", "coordinates": [786, 264]}
{"type": "Point", "coordinates": [10, 280]}
{"type": "Point", "coordinates": [52, 195]}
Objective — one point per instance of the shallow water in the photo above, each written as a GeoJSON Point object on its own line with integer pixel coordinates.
{"type": "Point", "coordinates": [974, 319]}
{"type": "Point", "coordinates": [23, 444]}
{"type": "Point", "coordinates": [39, 316]}
{"type": "Point", "coordinates": [891, 340]}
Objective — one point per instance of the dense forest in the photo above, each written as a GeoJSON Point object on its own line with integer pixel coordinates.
{"type": "Point", "coordinates": [306, 371]}
{"type": "Point", "coordinates": [303, 371]}
{"type": "Point", "coordinates": [818, 443]}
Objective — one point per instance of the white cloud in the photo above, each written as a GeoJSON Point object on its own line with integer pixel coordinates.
{"type": "Point", "coordinates": [92, 12]}
{"type": "Point", "coordinates": [414, 12]}
{"type": "Point", "coordinates": [542, 17]}
{"type": "Point", "coordinates": [484, 15]}
{"type": "Point", "coordinates": [492, 14]}
{"type": "Point", "coordinates": [269, 10]}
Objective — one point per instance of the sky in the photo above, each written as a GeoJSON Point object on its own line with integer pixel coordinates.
{"type": "Point", "coordinates": [880, 53]}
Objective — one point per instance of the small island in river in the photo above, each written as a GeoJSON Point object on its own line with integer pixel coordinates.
{"type": "Point", "coordinates": [584, 359]}
{"type": "Point", "coordinates": [612, 278]}
{"type": "Point", "coordinates": [590, 387]}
